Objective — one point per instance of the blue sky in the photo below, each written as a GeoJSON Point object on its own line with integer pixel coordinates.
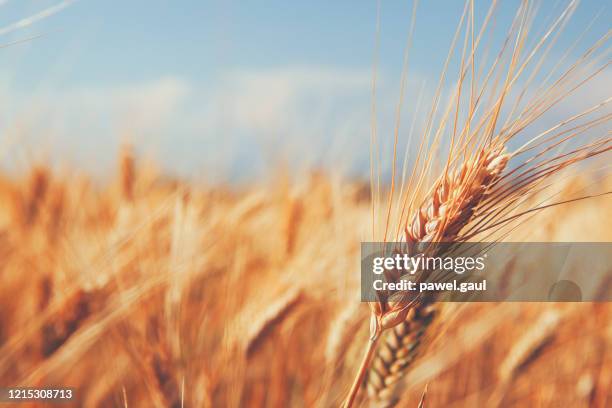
{"type": "Point", "coordinates": [217, 89]}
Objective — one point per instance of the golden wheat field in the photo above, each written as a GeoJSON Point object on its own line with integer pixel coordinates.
{"type": "Point", "coordinates": [141, 289]}
{"type": "Point", "coordinates": [149, 292]}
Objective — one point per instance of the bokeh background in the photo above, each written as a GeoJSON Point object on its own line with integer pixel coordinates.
{"type": "Point", "coordinates": [217, 280]}
{"type": "Point", "coordinates": [225, 90]}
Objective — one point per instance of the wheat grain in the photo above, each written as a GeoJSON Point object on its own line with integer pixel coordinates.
{"type": "Point", "coordinates": [447, 209]}
{"type": "Point", "coordinates": [33, 197]}
{"type": "Point", "coordinates": [440, 218]}
{"type": "Point", "coordinates": [529, 343]}
{"type": "Point", "coordinates": [127, 173]}
{"type": "Point", "coordinates": [398, 348]}
{"type": "Point", "coordinates": [274, 314]}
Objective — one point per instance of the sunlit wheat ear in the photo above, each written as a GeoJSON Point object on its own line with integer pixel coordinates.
{"type": "Point", "coordinates": [476, 193]}
{"type": "Point", "coordinates": [447, 208]}
{"type": "Point", "coordinates": [440, 218]}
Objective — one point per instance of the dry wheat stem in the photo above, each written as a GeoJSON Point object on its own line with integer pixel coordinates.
{"type": "Point", "coordinates": [365, 363]}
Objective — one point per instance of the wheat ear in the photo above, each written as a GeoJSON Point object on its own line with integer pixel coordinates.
{"type": "Point", "coordinates": [475, 193]}
{"type": "Point", "coordinates": [440, 218]}
{"type": "Point", "coordinates": [449, 207]}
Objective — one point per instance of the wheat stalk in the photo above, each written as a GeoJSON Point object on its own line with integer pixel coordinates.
{"type": "Point", "coordinates": [440, 218]}
{"type": "Point", "coordinates": [476, 192]}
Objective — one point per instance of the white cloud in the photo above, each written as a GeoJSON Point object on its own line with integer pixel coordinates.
{"type": "Point", "coordinates": [266, 100]}
{"type": "Point", "coordinates": [297, 112]}
{"type": "Point", "coordinates": [240, 124]}
{"type": "Point", "coordinates": [87, 123]}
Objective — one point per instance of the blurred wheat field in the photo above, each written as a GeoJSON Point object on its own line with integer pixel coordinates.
{"type": "Point", "coordinates": [154, 292]}
{"type": "Point", "coordinates": [140, 289]}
